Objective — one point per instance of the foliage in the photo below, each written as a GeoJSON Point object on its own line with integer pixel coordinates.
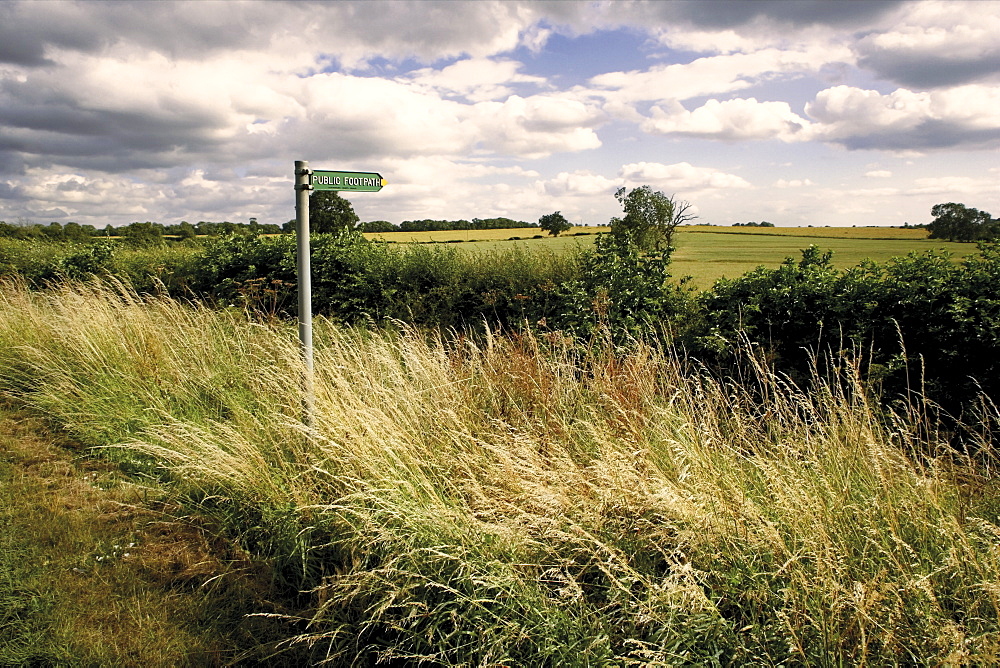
{"type": "Point", "coordinates": [378, 226]}
{"type": "Point", "coordinates": [329, 213]}
{"type": "Point", "coordinates": [149, 270]}
{"type": "Point", "coordinates": [186, 230]}
{"type": "Point", "coordinates": [957, 222]}
{"type": "Point", "coordinates": [615, 288]}
{"type": "Point", "coordinates": [51, 232]}
{"type": "Point", "coordinates": [96, 259]}
{"type": "Point", "coordinates": [430, 225]}
{"type": "Point", "coordinates": [37, 263]}
{"type": "Point", "coordinates": [142, 235]}
{"type": "Point", "coordinates": [145, 233]}
{"type": "Point", "coordinates": [210, 229]}
{"type": "Point", "coordinates": [357, 281]}
{"type": "Point", "coordinates": [247, 270]}
{"type": "Point", "coordinates": [621, 291]}
{"type": "Point", "coordinates": [650, 218]}
{"type": "Point", "coordinates": [554, 223]}
{"type": "Point", "coordinates": [922, 323]}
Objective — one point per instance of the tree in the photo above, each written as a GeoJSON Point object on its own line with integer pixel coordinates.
{"type": "Point", "coordinates": [74, 232]}
{"type": "Point", "coordinates": [378, 226]}
{"type": "Point", "coordinates": [554, 223]}
{"type": "Point", "coordinates": [957, 222]}
{"type": "Point", "coordinates": [186, 230]}
{"type": "Point", "coordinates": [329, 213]}
{"type": "Point", "coordinates": [54, 231]}
{"type": "Point", "coordinates": [143, 235]}
{"type": "Point", "coordinates": [650, 218]}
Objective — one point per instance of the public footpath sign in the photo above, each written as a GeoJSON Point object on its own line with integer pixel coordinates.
{"type": "Point", "coordinates": [306, 181]}
{"type": "Point", "coordinates": [359, 182]}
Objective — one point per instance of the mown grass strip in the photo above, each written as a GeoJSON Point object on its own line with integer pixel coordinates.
{"type": "Point", "coordinates": [96, 570]}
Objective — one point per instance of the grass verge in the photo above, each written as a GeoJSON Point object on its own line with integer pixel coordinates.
{"type": "Point", "coordinates": [96, 570]}
{"type": "Point", "coordinates": [529, 502]}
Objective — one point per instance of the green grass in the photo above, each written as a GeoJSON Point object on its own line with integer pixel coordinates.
{"type": "Point", "coordinates": [96, 570]}
{"type": "Point", "coordinates": [72, 587]}
{"type": "Point", "coordinates": [527, 502]}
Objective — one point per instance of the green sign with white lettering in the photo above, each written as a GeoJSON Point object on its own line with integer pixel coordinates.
{"type": "Point", "coordinates": [359, 182]}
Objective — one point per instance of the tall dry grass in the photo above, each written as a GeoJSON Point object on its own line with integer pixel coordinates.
{"type": "Point", "coordinates": [525, 501]}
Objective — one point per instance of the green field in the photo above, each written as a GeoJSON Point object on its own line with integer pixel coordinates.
{"type": "Point", "coordinates": [707, 253]}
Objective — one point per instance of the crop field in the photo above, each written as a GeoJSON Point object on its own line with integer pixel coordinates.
{"type": "Point", "coordinates": [476, 236]}
{"type": "Point", "coordinates": [707, 253]}
{"type": "Point", "coordinates": [819, 232]}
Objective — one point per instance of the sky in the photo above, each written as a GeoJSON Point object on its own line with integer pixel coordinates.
{"type": "Point", "coordinates": [793, 112]}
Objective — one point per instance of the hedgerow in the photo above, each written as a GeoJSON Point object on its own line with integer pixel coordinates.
{"type": "Point", "coordinates": [918, 324]}
{"type": "Point", "coordinates": [921, 324]}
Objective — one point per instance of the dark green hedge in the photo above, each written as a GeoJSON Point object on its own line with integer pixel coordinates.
{"type": "Point", "coordinates": [919, 324]}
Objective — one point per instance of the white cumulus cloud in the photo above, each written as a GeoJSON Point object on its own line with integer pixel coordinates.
{"type": "Point", "coordinates": [580, 183]}
{"type": "Point", "coordinates": [680, 177]}
{"type": "Point", "coordinates": [793, 183]}
{"type": "Point", "coordinates": [729, 120]}
{"type": "Point", "coordinates": [476, 79]}
{"type": "Point", "coordinates": [908, 120]}
{"type": "Point", "coordinates": [711, 75]}
{"type": "Point", "coordinates": [937, 44]}
{"type": "Point", "coordinates": [536, 126]}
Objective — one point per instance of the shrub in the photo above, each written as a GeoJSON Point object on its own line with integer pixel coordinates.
{"type": "Point", "coordinates": [235, 268]}
{"type": "Point", "coordinates": [622, 291]}
{"type": "Point", "coordinates": [95, 259]}
{"type": "Point", "coordinates": [923, 323]}
{"type": "Point", "coordinates": [36, 261]}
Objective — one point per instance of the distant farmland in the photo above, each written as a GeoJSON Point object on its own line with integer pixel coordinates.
{"type": "Point", "coordinates": [707, 253]}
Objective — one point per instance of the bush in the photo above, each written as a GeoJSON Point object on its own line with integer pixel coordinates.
{"type": "Point", "coordinates": [171, 268]}
{"type": "Point", "coordinates": [357, 281]}
{"type": "Point", "coordinates": [621, 291]}
{"type": "Point", "coordinates": [922, 323]}
{"type": "Point", "coordinates": [238, 269]}
{"type": "Point", "coordinates": [91, 260]}
{"type": "Point", "coordinates": [36, 261]}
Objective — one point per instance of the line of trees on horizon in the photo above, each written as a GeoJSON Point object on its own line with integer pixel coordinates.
{"type": "Point", "coordinates": [148, 230]}
{"type": "Point", "coordinates": [329, 212]}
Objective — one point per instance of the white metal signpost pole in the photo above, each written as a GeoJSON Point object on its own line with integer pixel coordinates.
{"type": "Point", "coordinates": [302, 188]}
{"type": "Point", "coordinates": [307, 180]}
